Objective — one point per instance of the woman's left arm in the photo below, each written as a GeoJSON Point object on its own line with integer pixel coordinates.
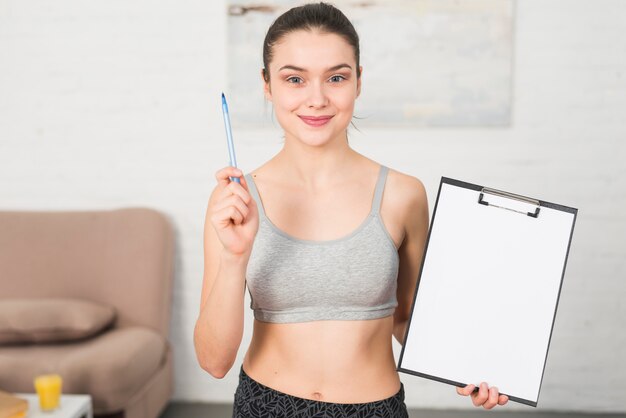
{"type": "Point", "coordinates": [415, 215]}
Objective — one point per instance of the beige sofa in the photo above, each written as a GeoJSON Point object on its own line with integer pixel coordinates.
{"type": "Point", "coordinates": [121, 260]}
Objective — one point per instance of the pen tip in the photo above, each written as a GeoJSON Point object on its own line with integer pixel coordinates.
{"type": "Point", "coordinates": [223, 95]}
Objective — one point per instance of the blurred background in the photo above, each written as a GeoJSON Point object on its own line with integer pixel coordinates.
{"type": "Point", "coordinates": [112, 104]}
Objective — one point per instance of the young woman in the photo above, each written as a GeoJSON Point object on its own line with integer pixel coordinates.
{"type": "Point", "coordinates": [328, 241]}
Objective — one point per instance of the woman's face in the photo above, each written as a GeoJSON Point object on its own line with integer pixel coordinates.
{"type": "Point", "coordinates": [313, 86]}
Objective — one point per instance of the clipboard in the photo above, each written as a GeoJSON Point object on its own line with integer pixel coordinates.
{"type": "Point", "coordinates": [488, 289]}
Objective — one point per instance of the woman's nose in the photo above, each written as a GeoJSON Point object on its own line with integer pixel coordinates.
{"type": "Point", "coordinates": [317, 96]}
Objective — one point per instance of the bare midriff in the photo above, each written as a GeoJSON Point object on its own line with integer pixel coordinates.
{"type": "Point", "coordinates": [331, 361]}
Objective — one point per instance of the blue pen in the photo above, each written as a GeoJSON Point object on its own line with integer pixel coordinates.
{"type": "Point", "coordinates": [229, 137]}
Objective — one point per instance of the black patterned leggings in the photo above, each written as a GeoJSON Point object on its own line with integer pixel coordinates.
{"type": "Point", "coordinates": [255, 400]}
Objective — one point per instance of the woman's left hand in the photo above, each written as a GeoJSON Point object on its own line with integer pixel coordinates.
{"type": "Point", "coordinates": [486, 397]}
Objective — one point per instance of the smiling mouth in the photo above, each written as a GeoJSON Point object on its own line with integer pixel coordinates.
{"type": "Point", "coordinates": [315, 120]}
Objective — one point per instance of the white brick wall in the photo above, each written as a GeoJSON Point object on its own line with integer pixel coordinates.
{"type": "Point", "coordinates": [109, 104]}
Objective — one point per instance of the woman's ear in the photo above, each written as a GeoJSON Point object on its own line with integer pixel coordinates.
{"type": "Point", "coordinates": [267, 91]}
{"type": "Point", "coordinates": [358, 81]}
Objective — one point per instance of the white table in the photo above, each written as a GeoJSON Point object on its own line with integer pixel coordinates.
{"type": "Point", "coordinates": [71, 406]}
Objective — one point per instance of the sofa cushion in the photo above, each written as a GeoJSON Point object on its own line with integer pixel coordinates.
{"type": "Point", "coordinates": [112, 366]}
{"type": "Point", "coordinates": [40, 320]}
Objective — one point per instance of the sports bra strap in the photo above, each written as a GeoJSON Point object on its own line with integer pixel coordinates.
{"type": "Point", "coordinates": [255, 194]}
{"type": "Point", "coordinates": [378, 192]}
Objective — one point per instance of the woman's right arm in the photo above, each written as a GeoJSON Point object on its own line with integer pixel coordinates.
{"type": "Point", "coordinates": [230, 226]}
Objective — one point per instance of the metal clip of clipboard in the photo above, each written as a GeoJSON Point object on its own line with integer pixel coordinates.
{"type": "Point", "coordinates": [509, 196]}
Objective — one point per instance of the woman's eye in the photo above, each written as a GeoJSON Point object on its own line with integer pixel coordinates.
{"type": "Point", "coordinates": [337, 78]}
{"type": "Point", "coordinates": [294, 80]}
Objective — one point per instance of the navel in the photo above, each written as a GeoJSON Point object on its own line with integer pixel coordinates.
{"type": "Point", "coordinates": [317, 396]}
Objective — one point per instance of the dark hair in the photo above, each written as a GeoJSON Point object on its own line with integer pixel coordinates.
{"type": "Point", "coordinates": [321, 16]}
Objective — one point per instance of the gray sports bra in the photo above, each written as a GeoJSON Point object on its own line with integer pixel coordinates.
{"type": "Point", "coordinates": [350, 278]}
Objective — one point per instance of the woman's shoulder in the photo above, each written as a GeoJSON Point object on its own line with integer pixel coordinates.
{"type": "Point", "coordinates": [405, 184]}
{"type": "Point", "coordinates": [264, 170]}
{"type": "Point", "coordinates": [404, 203]}
{"type": "Point", "coordinates": [254, 173]}
{"type": "Point", "coordinates": [405, 191]}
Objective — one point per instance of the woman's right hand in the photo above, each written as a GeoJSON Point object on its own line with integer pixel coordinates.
{"type": "Point", "coordinates": [233, 212]}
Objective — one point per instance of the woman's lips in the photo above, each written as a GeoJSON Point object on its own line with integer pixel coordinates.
{"type": "Point", "coordinates": [315, 120]}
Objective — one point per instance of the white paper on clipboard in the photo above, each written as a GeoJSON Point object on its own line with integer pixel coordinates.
{"type": "Point", "coordinates": [488, 290]}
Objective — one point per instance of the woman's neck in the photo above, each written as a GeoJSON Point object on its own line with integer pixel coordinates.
{"type": "Point", "coordinates": [315, 166]}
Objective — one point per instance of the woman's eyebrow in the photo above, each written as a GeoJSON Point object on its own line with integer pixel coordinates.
{"type": "Point", "coordinates": [338, 67]}
{"type": "Point", "coordinates": [294, 68]}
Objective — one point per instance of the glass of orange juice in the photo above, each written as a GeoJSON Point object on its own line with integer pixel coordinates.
{"type": "Point", "coordinates": [48, 387]}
